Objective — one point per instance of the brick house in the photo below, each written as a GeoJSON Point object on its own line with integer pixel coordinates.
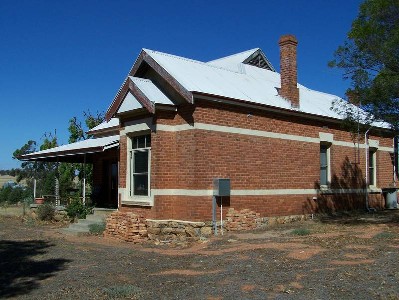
{"type": "Point", "coordinates": [176, 124]}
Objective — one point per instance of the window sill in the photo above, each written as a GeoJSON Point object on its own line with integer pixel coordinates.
{"type": "Point", "coordinates": [137, 203]}
{"type": "Point", "coordinates": [374, 189]}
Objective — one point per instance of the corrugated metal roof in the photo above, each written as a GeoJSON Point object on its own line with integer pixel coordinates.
{"type": "Point", "coordinates": [82, 147]}
{"type": "Point", "coordinates": [234, 62]}
{"type": "Point", "coordinates": [105, 125]}
{"type": "Point", "coordinates": [151, 91]}
{"type": "Point", "coordinates": [253, 84]}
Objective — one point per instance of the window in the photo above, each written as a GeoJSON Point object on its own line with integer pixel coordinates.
{"type": "Point", "coordinates": [140, 165]}
{"type": "Point", "coordinates": [372, 169]}
{"type": "Point", "coordinates": [324, 164]}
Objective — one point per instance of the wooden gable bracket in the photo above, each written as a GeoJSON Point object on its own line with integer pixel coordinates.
{"type": "Point", "coordinates": [144, 56]}
{"type": "Point", "coordinates": [116, 103]}
{"type": "Point", "coordinates": [139, 95]}
{"type": "Point", "coordinates": [129, 86]}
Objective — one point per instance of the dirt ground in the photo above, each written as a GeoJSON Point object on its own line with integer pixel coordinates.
{"type": "Point", "coordinates": [343, 257]}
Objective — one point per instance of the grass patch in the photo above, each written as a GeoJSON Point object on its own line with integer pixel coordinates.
{"type": "Point", "coordinates": [97, 228]}
{"type": "Point", "coordinates": [384, 235]}
{"type": "Point", "coordinates": [300, 231]}
{"type": "Point", "coordinates": [123, 291]}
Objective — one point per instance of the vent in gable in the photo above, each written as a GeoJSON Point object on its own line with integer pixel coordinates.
{"type": "Point", "coordinates": [258, 59]}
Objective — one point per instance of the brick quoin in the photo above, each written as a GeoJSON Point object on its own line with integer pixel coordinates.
{"type": "Point", "coordinates": [190, 159]}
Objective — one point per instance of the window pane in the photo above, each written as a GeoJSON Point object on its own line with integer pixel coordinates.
{"type": "Point", "coordinates": [141, 161]}
{"type": "Point", "coordinates": [148, 142]}
{"type": "Point", "coordinates": [323, 176]}
{"type": "Point", "coordinates": [140, 184]}
{"type": "Point", "coordinates": [371, 176]}
{"type": "Point", "coordinates": [323, 165]}
{"type": "Point", "coordinates": [141, 141]}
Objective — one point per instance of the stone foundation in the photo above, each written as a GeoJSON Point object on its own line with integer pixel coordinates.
{"type": "Point", "coordinates": [172, 230]}
{"type": "Point", "coordinates": [131, 227]}
{"type": "Point", "coordinates": [128, 227]}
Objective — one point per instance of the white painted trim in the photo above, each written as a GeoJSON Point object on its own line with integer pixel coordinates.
{"type": "Point", "coordinates": [137, 200]}
{"type": "Point", "coordinates": [265, 192]}
{"type": "Point", "coordinates": [181, 192]}
{"type": "Point", "coordinates": [326, 137]}
{"type": "Point", "coordinates": [260, 133]}
{"type": "Point", "coordinates": [135, 128]}
{"type": "Point", "coordinates": [374, 143]}
{"type": "Point", "coordinates": [273, 192]}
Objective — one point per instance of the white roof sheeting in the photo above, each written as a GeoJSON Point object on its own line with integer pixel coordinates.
{"type": "Point", "coordinates": [248, 83]}
{"type": "Point", "coordinates": [232, 62]}
{"type": "Point", "coordinates": [151, 91]}
{"type": "Point", "coordinates": [105, 125]}
{"type": "Point", "coordinates": [81, 147]}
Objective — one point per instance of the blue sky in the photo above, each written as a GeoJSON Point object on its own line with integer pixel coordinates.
{"type": "Point", "coordinates": [60, 58]}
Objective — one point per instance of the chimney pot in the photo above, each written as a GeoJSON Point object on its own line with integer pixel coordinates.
{"type": "Point", "coordinates": [288, 69]}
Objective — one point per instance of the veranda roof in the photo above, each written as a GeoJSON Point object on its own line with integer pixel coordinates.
{"type": "Point", "coordinates": [75, 152]}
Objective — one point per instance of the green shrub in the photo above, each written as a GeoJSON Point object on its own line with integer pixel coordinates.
{"type": "Point", "coordinates": [45, 212]}
{"type": "Point", "coordinates": [97, 228]}
{"type": "Point", "coordinates": [123, 291]}
{"type": "Point", "coordinates": [385, 235]}
{"type": "Point", "coordinates": [300, 231]}
{"type": "Point", "coordinates": [76, 209]}
{"type": "Point", "coordinates": [13, 194]}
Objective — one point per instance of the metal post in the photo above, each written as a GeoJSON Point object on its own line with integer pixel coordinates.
{"type": "Point", "coordinates": [221, 215]}
{"type": "Point", "coordinates": [34, 188]}
{"type": "Point", "coordinates": [84, 180]}
{"type": "Point", "coordinates": [57, 192]}
{"type": "Point", "coordinates": [366, 140]}
{"type": "Point", "coordinates": [215, 229]}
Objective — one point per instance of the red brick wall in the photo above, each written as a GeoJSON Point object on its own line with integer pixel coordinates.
{"type": "Point", "coordinates": [190, 159]}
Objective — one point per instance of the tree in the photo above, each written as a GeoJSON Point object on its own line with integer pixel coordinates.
{"type": "Point", "coordinates": [370, 60]}
{"type": "Point", "coordinates": [78, 132]}
{"type": "Point", "coordinates": [45, 173]}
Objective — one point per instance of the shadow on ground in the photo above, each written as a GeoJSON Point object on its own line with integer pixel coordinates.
{"type": "Point", "coordinates": [388, 217]}
{"type": "Point", "coordinates": [21, 266]}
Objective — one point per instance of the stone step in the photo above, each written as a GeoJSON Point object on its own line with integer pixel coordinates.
{"type": "Point", "coordinates": [82, 226]}
{"type": "Point", "coordinates": [103, 211]}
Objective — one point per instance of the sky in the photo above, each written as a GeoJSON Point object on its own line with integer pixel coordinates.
{"type": "Point", "coordinates": [61, 58]}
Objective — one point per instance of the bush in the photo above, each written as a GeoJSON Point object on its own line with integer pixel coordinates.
{"type": "Point", "coordinates": [13, 194]}
{"type": "Point", "coordinates": [123, 291]}
{"type": "Point", "coordinates": [97, 228]}
{"type": "Point", "coordinates": [300, 231]}
{"type": "Point", "coordinates": [46, 212]}
{"type": "Point", "coordinates": [76, 209]}
{"type": "Point", "coordinates": [385, 235]}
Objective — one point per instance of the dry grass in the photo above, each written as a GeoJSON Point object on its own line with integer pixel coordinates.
{"type": "Point", "coordinates": [6, 178]}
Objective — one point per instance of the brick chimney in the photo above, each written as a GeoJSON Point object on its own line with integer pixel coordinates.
{"type": "Point", "coordinates": [288, 69]}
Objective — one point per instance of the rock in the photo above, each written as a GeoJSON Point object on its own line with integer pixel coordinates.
{"type": "Point", "coordinates": [206, 231]}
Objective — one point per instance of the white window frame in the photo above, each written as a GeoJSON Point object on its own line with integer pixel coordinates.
{"type": "Point", "coordinates": [328, 166]}
{"type": "Point", "coordinates": [130, 168]}
{"type": "Point", "coordinates": [372, 177]}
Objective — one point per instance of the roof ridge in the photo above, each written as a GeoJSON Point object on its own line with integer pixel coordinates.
{"type": "Point", "coordinates": [193, 60]}
{"type": "Point", "coordinates": [235, 54]}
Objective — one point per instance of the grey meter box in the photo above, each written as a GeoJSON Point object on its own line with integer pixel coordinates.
{"type": "Point", "coordinates": [221, 187]}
